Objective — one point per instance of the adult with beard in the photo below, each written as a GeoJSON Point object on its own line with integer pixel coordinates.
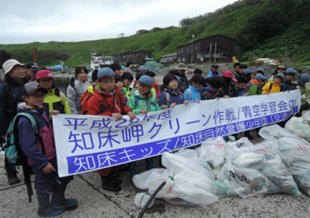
{"type": "Point", "coordinates": [10, 96]}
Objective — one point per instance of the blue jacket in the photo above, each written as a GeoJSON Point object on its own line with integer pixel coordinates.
{"type": "Point", "coordinates": [175, 97]}
{"type": "Point", "coordinates": [239, 92]}
{"type": "Point", "coordinates": [28, 141]}
{"type": "Point", "coordinates": [211, 74]}
{"type": "Point", "coordinates": [10, 96]}
{"type": "Point", "coordinates": [195, 94]}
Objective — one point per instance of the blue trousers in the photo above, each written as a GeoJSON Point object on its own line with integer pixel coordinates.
{"type": "Point", "coordinates": [132, 166]}
{"type": "Point", "coordinates": [45, 182]}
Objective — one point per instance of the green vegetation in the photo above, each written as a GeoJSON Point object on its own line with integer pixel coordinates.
{"type": "Point", "coordinates": [278, 29]}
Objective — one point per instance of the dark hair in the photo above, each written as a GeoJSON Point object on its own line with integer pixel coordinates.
{"type": "Point", "coordinates": [94, 75]}
{"type": "Point", "coordinates": [243, 79]}
{"type": "Point", "coordinates": [197, 78]}
{"type": "Point", "coordinates": [168, 78]}
{"type": "Point", "coordinates": [243, 66]}
{"type": "Point", "coordinates": [139, 74]}
{"type": "Point", "coordinates": [227, 80]}
{"type": "Point", "coordinates": [78, 70]}
{"type": "Point", "coordinates": [150, 73]}
{"type": "Point", "coordinates": [118, 78]}
{"type": "Point", "coordinates": [197, 71]}
{"type": "Point", "coordinates": [207, 80]}
{"type": "Point", "coordinates": [57, 91]}
{"type": "Point", "coordinates": [236, 64]}
{"type": "Point", "coordinates": [217, 82]}
{"type": "Point", "coordinates": [174, 72]}
{"type": "Point", "coordinates": [115, 67]}
{"type": "Point", "coordinates": [127, 75]}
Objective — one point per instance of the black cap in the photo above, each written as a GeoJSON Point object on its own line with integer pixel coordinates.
{"type": "Point", "coordinates": [32, 66]}
{"type": "Point", "coordinates": [214, 66]}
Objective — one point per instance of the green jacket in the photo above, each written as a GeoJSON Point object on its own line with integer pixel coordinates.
{"type": "Point", "coordinates": [148, 104]}
{"type": "Point", "coordinates": [54, 102]}
{"type": "Point", "coordinates": [127, 90]}
{"type": "Point", "coordinates": [303, 91]}
{"type": "Point", "coordinates": [254, 90]}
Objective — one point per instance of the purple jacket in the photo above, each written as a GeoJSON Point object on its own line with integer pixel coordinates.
{"type": "Point", "coordinates": [28, 141]}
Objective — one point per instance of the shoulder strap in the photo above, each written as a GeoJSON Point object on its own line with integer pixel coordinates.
{"type": "Point", "coordinates": [120, 95]}
{"type": "Point", "coordinates": [283, 86]}
{"type": "Point", "coordinates": [62, 97]}
{"type": "Point", "coordinates": [136, 101]}
{"type": "Point", "coordinates": [189, 94]}
{"type": "Point", "coordinates": [168, 98]}
{"type": "Point", "coordinates": [270, 86]}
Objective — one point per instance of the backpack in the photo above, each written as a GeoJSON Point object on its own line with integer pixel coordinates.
{"type": "Point", "coordinates": [14, 153]}
{"type": "Point", "coordinates": [168, 97]}
{"type": "Point", "coordinates": [282, 87]}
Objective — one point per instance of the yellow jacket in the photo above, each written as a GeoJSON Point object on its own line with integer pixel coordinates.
{"type": "Point", "coordinates": [274, 89]}
{"type": "Point", "coordinates": [54, 102]}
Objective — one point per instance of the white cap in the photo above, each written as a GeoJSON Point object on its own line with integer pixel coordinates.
{"type": "Point", "coordinates": [9, 64]}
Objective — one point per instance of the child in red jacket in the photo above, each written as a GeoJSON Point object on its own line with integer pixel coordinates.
{"type": "Point", "coordinates": [108, 100]}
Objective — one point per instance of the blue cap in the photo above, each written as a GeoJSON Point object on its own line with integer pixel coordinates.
{"type": "Point", "coordinates": [260, 69]}
{"type": "Point", "coordinates": [304, 78]}
{"type": "Point", "coordinates": [260, 77]}
{"type": "Point", "coordinates": [281, 75]}
{"type": "Point", "coordinates": [290, 70]}
{"type": "Point", "coordinates": [106, 71]}
{"type": "Point", "coordinates": [248, 71]}
{"type": "Point", "coordinates": [214, 66]}
{"type": "Point", "coordinates": [147, 80]}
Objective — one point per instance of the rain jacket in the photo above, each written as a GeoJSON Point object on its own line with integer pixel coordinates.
{"type": "Point", "coordinates": [275, 88]}
{"type": "Point", "coordinates": [254, 87]}
{"type": "Point", "coordinates": [211, 74]}
{"type": "Point", "coordinates": [194, 92]}
{"type": "Point", "coordinates": [54, 102]}
{"type": "Point", "coordinates": [105, 103]}
{"type": "Point", "coordinates": [127, 90]}
{"type": "Point", "coordinates": [183, 83]}
{"type": "Point", "coordinates": [29, 144]}
{"type": "Point", "coordinates": [289, 85]}
{"type": "Point", "coordinates": [138, 102]}
{"type": "Point", "coordinates": [208, 94]}
{"type": "Point", "coordinates": [175, 97]}
{"type": "Point", "coordinates": [10, 96]}
{"type": "Point", "coordinates": [238, 92]}
{"type": "Point", "coordinates": [74, 95]}
{"type": "Point", "coordinates": [303, 91]}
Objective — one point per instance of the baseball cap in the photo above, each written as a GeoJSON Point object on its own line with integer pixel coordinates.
{"type": "Point", "coordinates": [280, 75]}
{"type": "Point", "coordinates": [248, 71]}
{"type": "Point", "coordinates": [147, 80]}
{"type": "Point", "coordinates": [227, 73]}
{"type": "Point", "coordinates": [31, 88]}
{"type": "Point", "coordinates": [32, 66]}
{"type": "Point", "coordinates": [304, 78]}
{"type": "Point", "coordinates": [290, 70]}
{"type": "Point", "coordinates": [260, 69]}
{"type": "Point", "coordinates": [44, 74]}
{"type": "Point", "coordinates": [9, 64]}
{"type": "Point", "coordinates": [214, 66]}
{"type": "Point", "coordinates": [106, 71]}
{"type": "Point", "coordinates": [260, 77]}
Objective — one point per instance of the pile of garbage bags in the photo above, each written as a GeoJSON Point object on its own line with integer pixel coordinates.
{"type": "Point", "coordinates": [199, 177]}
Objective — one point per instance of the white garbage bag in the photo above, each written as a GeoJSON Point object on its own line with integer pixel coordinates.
{"type": "Point", "coordinates": [142, 198]}
{"type": "Point", "coordinates": [300, 125]}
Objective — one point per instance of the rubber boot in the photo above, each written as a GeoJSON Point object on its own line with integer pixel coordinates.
{"type": "Point", "coordinates": [45, 208]}
{"type": "Point", "coordinates": [115, 180]}
{"type": "Point", "coordinates": [107, 184]}
{"type": "Point", "coordinates": [11, 173]}
{"type": "Point", "coordinates": [59, 200]}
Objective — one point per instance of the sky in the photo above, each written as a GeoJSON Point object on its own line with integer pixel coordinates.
{"type": "Point", "coordinates": [81, 20]}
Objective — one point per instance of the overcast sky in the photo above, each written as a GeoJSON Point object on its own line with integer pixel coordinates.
{"type": "Point", "coordinates": [24, 21]}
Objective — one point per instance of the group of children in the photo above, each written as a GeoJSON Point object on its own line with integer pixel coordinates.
{"type": "Point", "coordinates": [110, 95]}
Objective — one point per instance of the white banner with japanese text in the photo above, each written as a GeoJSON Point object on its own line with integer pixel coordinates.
{"type": "Point", "coordinates": [85, 143]}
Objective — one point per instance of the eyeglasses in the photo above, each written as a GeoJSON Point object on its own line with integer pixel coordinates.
{"type": "Point", "coordinates": [19, 68]}
{"type": "Point", "coordinates": [46, 80]}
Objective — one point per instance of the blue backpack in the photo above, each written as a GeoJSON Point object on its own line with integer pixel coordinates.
{"type": "Point", "coordinates": [13, 151]}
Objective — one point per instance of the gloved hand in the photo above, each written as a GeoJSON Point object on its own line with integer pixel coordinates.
{"type": "Point", "coordinates": [303, 97]}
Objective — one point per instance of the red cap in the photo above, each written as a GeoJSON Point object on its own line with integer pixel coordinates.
{"type": "Point", "coordinates": [228, 74]}
{"type": "Point", "coordinates": [44, 74]}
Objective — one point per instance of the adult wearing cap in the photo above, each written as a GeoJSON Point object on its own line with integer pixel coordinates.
{"type": "Point", "coordinates": [10, 96]}
{"type": "Point", "coordinates": [54, 99]}
{"type": "Point", "coordinates": [289, 76]}
{"type": "Point", "coordinates": [301, 82]}
{"type": "Point", "coordinates": [31, 70]}
{"type": "Point", "coordinates": [255, 85]}
{"type": "Point", "coordinates": [280, 69]}
{"type": "Point", "coordinates": [214, 71]}
{"type": "Point", "coordinates": [228, 87]}
{"type": "Point", "coordinates": [275, 85]}
{"type": "Point", "coordinates": [183, 82]}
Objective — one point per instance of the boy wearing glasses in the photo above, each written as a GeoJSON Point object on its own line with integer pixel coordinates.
{"type": "Point", "coordinates": [10, 96]}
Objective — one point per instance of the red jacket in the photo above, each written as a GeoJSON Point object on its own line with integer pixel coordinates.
{"type": "Point", "coordinates": [104, 103]}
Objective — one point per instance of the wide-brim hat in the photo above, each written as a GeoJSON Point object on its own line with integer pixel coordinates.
{"type": "Point", "coordinates": [9, 64]}
{"type": "Point", "coordinates": [181, 66]}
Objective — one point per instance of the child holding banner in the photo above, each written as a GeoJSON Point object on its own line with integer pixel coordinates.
{"type": "Point", "coordinates": [108, 100]}
{"type": "Point", "coordinates": [192, 94]}
{"type": "Point", "coordinates": [142, 101]}
{"type": "Point", "coordinates": [275, 85]}
{"type": "Point", "coordinates": [41, 153]}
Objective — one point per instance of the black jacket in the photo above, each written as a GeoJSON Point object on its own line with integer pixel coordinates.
{"type": "Point", "coordinates": [183, 83]}
{"type": "Point", "coordinates": [10, 96]}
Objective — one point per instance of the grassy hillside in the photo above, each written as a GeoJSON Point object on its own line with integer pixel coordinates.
{"type": "Point", "coordinates": [270, 28]}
